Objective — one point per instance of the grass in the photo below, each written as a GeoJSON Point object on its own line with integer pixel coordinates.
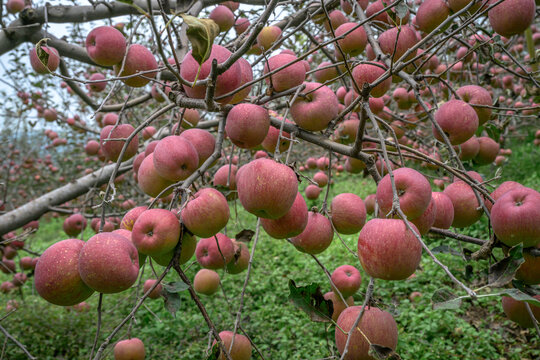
{"type": "Point", "coordinates": [478, 330]}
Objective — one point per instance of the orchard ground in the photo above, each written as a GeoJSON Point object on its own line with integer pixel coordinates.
{"type": "Point", "coordinates": [477, 330]}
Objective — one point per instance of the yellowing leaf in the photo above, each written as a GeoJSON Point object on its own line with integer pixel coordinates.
{"type": "Point", "coordinates": [201, 34]}
{"type": "Point", "coordinates": [42, 55]}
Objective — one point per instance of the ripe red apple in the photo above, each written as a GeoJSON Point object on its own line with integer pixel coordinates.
{"type": "Point", "coordinates": [203, 141]}
{"type": "Point", "coordinates": [290, 224]}
{"type": "Point", "coordinates": [325, 72]}
{"type": "Point", "coordinates": [292, 75]}
{"type": "Point", "coordinates": [129, 349]}
{"type": "Point", "coordinates": [388, 250]}
{"type": "Point", "coordinates": [109, 263]}
{"type": "Point", "coordinates": [215, 252]}
{"type": "Point", "coordinates": [467, 210]}
{"type": "Point", "coordinates": [91, 148]}
{"type": "Point", "coordinates": [52, 62]}
{"type": "Point", "coordinates": [206, 213]}
{"type": "Point", "coordinates": [444, 214]}
{"type": "Point", "coordinates": [189, 243]}
{"type": "Point", "coordinates": [368, 73]}
{"type": "Point", "coordinates": [515, 217]}
{"type": "Point", "coordinates": [223, 17]}
{"type": "Point", "coordinates": [138, 59]}
{"type": "Point", "coordinates": [348, 213]}
{"type": "Point", "coordinates": [226, 82]}
{"type": "Point", "coordinates": [377, 325]}
{"type": "Point", "coordinates": [268, 36]}
{"type": "Point", "coordinates": [74, 224]}
{"type": "Point", "coordinates": [396, 41]}
{"type": "Point", "coordinates": [266, 188]}
{"type": "Point", "coordinates": [241, 349]}
{"type": "Point", "coordinates": [511, 17]}
{"type": "Point", "coordinates": [112, 148]}
{"type": "Point", "coordinates": [469, 149]}
{"type": "Point", "coordinates": [27, 263]}
{"type": "Point", "coordinates": [346, 279]}
{"type": "Point", "coordinates": [370, 201]}
{"type": "Point", "coordinates": [241, 25]}
{"type": "Point", "coordinates": [270, 141]}
{"type": "Point", "coordinates": [156, 232]}
{"type": "Point", "coordinates": [57, 278]}
{"type": "Point", "coordinates": [457, 129]}
{"type": "Point", "coordinates": [206, 282]}
{"type": "Point", "coordinates": [175, 158]}
{"type": "Point", "coordinates": [15, 6]}
{"type": "Point", "coordinates": [97, 86]}
{"type": "Point", "coordinates": [517, 312]}
{"type": "Point", "coordinates": [355, 41]}
{"type": "Point", "coordinates": [149, 180]}
{"type": "Point", "coordinates": [431, 14]}
{"type": "Point", "coordinates": [413, 189]}
{"type": "Point", "coordinates": [245, 77]}
{"type": "Point", "coordinates": [347, 7]}
{"type": "Point", "coordinates": [106, 46]}
{"type": "Point", "coordinates": [131, 216]}
{"type": "Point", "coordinates": [156, 293]}
{"type": "Point", "coordinates": [240, 261]}
{"type": "Point", "coordinates": [320, 178]}
{"type": "Point", "coordinates": [477, 95]}
{"type": "Point", "coordinates": [312, 192]}
{"type": "Point", "coordinates": [247, 125]}
{"type": "Point", "coordinates": [338, 304]}
{"type": "Point", "coordinates": [316, 108]}
{"type": "Point", "coordinates": [488, 151]}
{"type": "Point", "coordinates": [501, 190]}
{"type": "Point", "coordinates": [316, 237]}
{"type": "Point", "coordinates": [425, 221]}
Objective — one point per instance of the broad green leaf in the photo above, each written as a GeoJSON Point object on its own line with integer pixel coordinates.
{"type": "Point", "coordinates": [521, 296]}
{"type": "Point", "coordinates": [201, 33]}
{"type": "Point", "coordinates": [214, 352]}
{"type": "Point", "coordinates": [445, 299]}
{"type": "Point", "coordinates": [176, 287]}
{"type": "Point", "coordinates": [503, 272]}
{"type": "Point", "coordinates": [172, 301]}
{"type": "Point", "coordinates": [311, 300]}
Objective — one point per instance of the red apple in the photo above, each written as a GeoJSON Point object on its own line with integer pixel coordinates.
{"type": "Point", "coordinates": [106, 46]}
{"type": "Point", "coordinates": [206, 282]}
{"type": "Point", "coordinates": [316, 108]}
{"type": "Point", "coordinates": [215, 252]}
{"type": "Point", "coordinates": [130, 349]}
{"type": "Point", "coordinates": [206, 213]}
{"type": "Point", "coordinates": [247, 125]}
{"type": "Point", "coordinates": [347, 280]}
{"type": "Point", "coordinates": [316, 237]}
{"type": "Point", "coordinates": [290, 224]}
{"type": "Point", "coordinates": [156, 232]}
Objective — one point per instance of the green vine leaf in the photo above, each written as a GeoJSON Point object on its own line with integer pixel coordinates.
{"type": "Point", "coordinates": [311, 300]}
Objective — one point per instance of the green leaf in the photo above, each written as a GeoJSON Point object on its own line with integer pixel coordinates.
{"type": "Point", "coordinates": [521, 296]}
{"type": "Point", "coordinates": [504, 271]}
{"type": "Point", "coordinates": [171, 301]}
{"type": "Point", "coordinates": [445, 249]}
{"type": "Point", "coordinates": [176, 287]}
{"type": "Point", "coordinates": [311, 300]}
{"type": "Point", "coordinates": [214, 352]}
{"type": "Point", "coordinates": [201, 34]}
{"type": "Point", "coordinates": [42, 55]}
{"type": "Point", "coordinates": [445, 299]}
{"type": "Point", "coordinates": [381, 352]}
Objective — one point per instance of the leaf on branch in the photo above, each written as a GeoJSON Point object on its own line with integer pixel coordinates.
{"type": "Point", "coordinates": [214, 353]}
{"type": "Point", "coordinates": [171, 301]}
{"type": "Point", "coordinates": [521, 296]}
{"type": "Point", "coordinates": [445, 299]}
{"type": "Point", "coordinates": [532, 290]}
{"type": "Point", "coordinates": [381, 352]}
{"type": "Point", "coordinates": [42, 55]}
{"type": "Point", "coordinates": [401, 10]}
{"type": "Point", "coordinates": [201, 34]}
{"type": "Point", "coordinates": [176, 287]}
{"type": "Point", "coordinates": [445, 249]}
{"type": "Point", "coordinates": [311, 300]}
{"type": "Point", "coordinates": [503, 272]}
{"type": "Point", "coordinates": [244, 235]}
